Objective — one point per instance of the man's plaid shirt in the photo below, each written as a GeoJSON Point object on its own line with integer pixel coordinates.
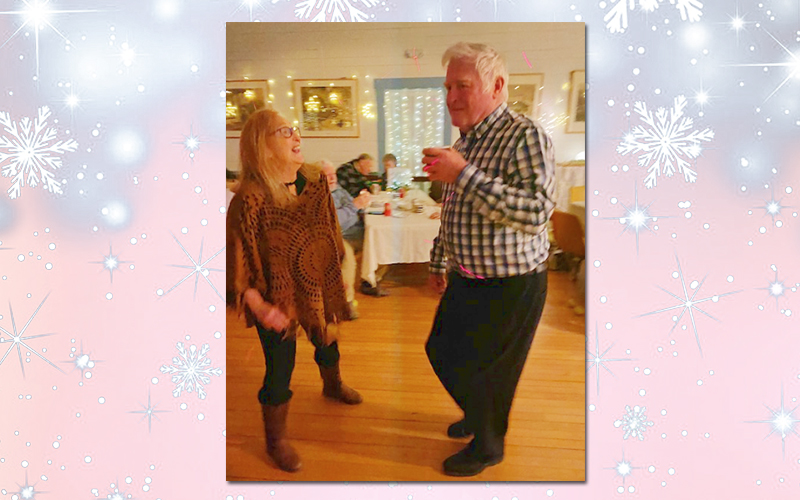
{"type": "Point", "coordinates": [494, 217]}
{"type": "Point", "coordinates": [350, 179]}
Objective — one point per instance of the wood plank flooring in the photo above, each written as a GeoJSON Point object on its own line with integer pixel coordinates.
{"type": "Point", "coordinates": [398, 432]}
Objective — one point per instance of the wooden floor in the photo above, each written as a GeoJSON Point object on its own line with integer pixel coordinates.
{"type": "Point", "coordinates": [398, 432]}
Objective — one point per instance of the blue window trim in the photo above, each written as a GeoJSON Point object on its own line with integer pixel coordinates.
{"type": "Point", "coordinates": [383, 84]}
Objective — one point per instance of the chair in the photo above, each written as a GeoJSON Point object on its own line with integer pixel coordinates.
{"type": "Point", "coordinates": [568, 234]}
{"type": "Point", "coordinates": [577, 193]}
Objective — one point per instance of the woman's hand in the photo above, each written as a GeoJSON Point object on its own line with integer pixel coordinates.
{"type": "Point", "coordinates": [266, 314]}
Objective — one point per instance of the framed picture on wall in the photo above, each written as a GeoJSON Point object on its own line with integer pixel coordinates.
{"type": "Point", "coordinates": [327, 108]}
{"type": "Point", "coordinates": [242, 98]}
{"type": "Point", "coordinates": [576, 111]}
{"type": "Point", "coordinates": [524, 93]}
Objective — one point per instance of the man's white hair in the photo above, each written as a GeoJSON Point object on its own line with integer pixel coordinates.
{"type": "Point", "coordinates": [324, 163]}
{"type": "Point", "coordinates": [487, 61]}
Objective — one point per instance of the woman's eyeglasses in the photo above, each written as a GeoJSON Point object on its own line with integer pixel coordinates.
{"type": "Point", "coordinates": [288, 131]}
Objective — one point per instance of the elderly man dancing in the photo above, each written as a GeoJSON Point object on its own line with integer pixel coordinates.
{"type": "Point", "coordinates": [489, 259]}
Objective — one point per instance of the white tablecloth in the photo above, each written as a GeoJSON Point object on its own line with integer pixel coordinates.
{"type": "Point", "coordinates": [566, 178]}
{"type": "Point", "coordinates": [402, 237]}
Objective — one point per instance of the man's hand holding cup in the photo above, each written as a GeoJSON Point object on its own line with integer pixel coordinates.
{"type": "Point", "coordinates": [443, 164]}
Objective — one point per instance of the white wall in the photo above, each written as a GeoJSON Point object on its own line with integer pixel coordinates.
{"type": "Point", "coordinates": [275, 51]}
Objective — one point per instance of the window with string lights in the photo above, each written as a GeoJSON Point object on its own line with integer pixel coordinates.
{"type": "Point", "coordinates": [412, 115]}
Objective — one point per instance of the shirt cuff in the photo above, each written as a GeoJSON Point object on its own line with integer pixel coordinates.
{"type": "Point", "coordinates": [437, 268]}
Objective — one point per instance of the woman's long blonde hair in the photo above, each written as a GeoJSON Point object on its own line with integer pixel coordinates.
{"type": "Point", "coordinates": [259, 164]}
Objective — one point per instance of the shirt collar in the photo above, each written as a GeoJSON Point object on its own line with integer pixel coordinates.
{"type": "Point", "coordinates": [478, 130]}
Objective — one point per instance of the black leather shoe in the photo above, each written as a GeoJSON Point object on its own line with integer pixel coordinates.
{"type": "Point", "coordinates": [458, 430]}
{"type": "Point", "coordinates": [373, 291]}
{"type": "Point", "coordinates": [468, 462]}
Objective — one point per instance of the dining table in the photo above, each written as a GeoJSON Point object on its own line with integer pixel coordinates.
{"type": "Point", "coordinates": [404, 236]}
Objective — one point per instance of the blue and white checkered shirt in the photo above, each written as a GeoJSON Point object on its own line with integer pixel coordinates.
{"type": "Point", "coordinates": [494, 217]}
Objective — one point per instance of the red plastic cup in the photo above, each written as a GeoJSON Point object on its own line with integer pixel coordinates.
{"type": "Point", "coordinates": [387, 209]}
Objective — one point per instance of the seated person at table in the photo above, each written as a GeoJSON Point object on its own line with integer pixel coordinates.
{"type": "Point", "coordinates": [349, 211]}
{"type": "Point", "coordinates": [352, 176]}
{"type": "Point", "coordinates": [389, 163]}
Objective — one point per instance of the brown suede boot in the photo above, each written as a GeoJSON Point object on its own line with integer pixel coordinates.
{"type": "Point", "coordinates": [278, 447]}
{"type": "Point", "coordinates": [334, 388]}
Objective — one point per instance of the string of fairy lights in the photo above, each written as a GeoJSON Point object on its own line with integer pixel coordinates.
{"type": "Point", "coordinates": [414, 118]}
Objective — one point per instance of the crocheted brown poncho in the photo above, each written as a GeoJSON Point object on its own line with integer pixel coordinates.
{"type": "Point", "coordinates": [292, 255]}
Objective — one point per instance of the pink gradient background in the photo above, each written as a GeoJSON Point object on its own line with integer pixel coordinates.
{"type": "Point", "coordinates": [727, 450]}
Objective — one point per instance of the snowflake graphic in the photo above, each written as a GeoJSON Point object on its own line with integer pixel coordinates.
{"type": "Point", "coordinates": [793, 64]}
{"type": "Point", "coordinates": [149, 412]}
{"type": "Point", "coordinates": [110, 262]}
{"type": "Point", "coordinates": [773, 207]}
{"type": "Point", "coordinates": [333, 10]}
{"type": "Point", "coordinates": [191, 143]}
{"type": "Point", "coordinates": [249, 4]}
{"type": "Point", "coordinates": [781, 421]}
{"type": "Point", "coordinates": [777, 288]}
{"type": "Point", "coordinates": [19, 342]}
{"type": "Point", "coordinates": [616, 18]}
{"type": "Point", "coordinates": [26, 490]}
{"type": "Point", "coordinates": [37, 15]}
{"type": "Point", "coordinates": [598, 360]}
{"type": "Point", "coordinates": [190, 370]}
{"type": "Point", "coordinates": [114, 492]}
{"type": "Point", "coordinates": [623, 468]}
{"type": "Point", "coordinates": [637, 217]}
{"type": "Point", "coordinates": [30, 152]}
{"type": "Point", "coordinates": [662, 145]}
{"type": "Point", "coordinates": [634, 422]}
{"type": "Point", "coordinates": [688, 303]}
{"type": "Point", "coordinates": [197, 268]}
{"type": "Point", "coordinates": [82, 361]}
